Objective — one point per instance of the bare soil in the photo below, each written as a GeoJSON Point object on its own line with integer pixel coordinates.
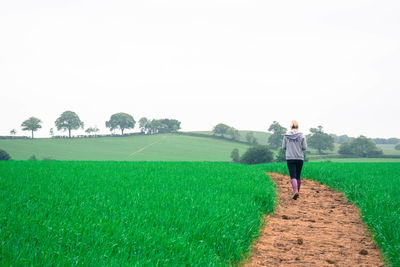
{"type": "Point", "coordinates": [320, 228]}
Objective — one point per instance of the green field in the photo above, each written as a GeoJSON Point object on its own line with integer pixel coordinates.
{"type": "Point", "coordinates": [373, 187]}
{"type": "Point", "coordinates": [55, 213]}
{"type": "Point", "coordinates": [160, 147]}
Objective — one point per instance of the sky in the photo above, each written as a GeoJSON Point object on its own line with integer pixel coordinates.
{"type": "Point", "coordinates": [243, 63]}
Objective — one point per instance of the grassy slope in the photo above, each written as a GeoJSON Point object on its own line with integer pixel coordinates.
{"type": "Point", "coordinates": [166, 147]}
{"type": "Point", "coordinates": [373, 187]}
{"type": "Point", "coordinates": [59, 213]}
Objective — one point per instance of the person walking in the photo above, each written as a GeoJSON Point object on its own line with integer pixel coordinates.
{"type": "Point", "coordinates": [294, 142]}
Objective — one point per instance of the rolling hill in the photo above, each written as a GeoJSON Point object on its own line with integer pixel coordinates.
{"type": "Point", "coordinates": [159, 147]}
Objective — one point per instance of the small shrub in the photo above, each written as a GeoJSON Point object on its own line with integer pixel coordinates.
{"type": "Point", "coordinates": [33, 157]}
{"type": "Point", "coordinates": [235, 155]}
{"type": "Point", "coordinates": [397, 147]}
{"type": "Point", "coordinates": [4, 155]}
{"type": "Point", "coordinates": [257, 154]}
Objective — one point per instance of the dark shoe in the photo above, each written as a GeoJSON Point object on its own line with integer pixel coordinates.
{"type": "Point", "coordinates": [295, 196]}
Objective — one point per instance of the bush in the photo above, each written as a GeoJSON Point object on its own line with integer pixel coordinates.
{"type": "Point", "coordinates": [33, 157]}
{"type": "Point", "coordinates": [257, 154]}
{"type": "Point", "coordinates": [397, 147]}
{"type": "Point", "coordinates": [235, 155]}
{"type": "Point", "coordinates": [4, 155]}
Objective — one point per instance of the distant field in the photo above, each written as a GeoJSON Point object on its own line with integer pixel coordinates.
{"type": "Point", "coordinates": [59, 213]}
{"type": "Point", "coordinates": [389, 149]}
{"type": "Point", "coordinates": [160, 147]}
{"type": "Point", "coordinates": [373, 187]}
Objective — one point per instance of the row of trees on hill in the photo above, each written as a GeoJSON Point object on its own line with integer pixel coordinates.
{"type": "Point", "coordinates": [159, 126]}
{"type": "Point", "coordinates": [317, 139]}
{"type": "Point", "coordinates": [223, 130]}
{"type": "Point", "coordinates": [322, 142]}
{"type": "Point", "coordinates": [69, 121]}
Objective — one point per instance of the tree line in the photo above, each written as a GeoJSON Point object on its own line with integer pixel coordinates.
{"type": "Point", "coordinates": [323, 142]}
{"type": "Point", "coordinates": [317, 139]}
{"type": "Point", "coordinates": [223, 130]}
{"type": "Point", "coordinates": [69, 121]}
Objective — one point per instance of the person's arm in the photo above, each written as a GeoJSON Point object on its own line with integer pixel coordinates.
{"type": "Point", "coordinates": [304, 143]}
{"type": "Point", "coordinates": [284, 143]}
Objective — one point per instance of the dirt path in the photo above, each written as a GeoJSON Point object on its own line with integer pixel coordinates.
{"type": "Point", "coordinates": [320, 228]}
{"type": "Point", "coordinates": [145, 147]}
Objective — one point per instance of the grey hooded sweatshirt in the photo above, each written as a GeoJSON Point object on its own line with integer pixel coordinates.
{"type": "Point", "coordinates": [294, 143]}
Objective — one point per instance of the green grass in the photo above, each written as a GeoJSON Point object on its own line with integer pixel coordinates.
{"type": "Point", "coordinates": [160, 147]}
{"type": "Point", "coordinates": [57, 213]}
{"type": "Point", "coordinates": [373, 187]}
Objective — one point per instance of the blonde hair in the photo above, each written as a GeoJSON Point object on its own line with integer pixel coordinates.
{"type": "Point", "coordinates": [294, 124]}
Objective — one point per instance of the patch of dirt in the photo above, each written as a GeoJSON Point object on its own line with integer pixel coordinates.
{"type": "Point", "coordinates": [320, 228]}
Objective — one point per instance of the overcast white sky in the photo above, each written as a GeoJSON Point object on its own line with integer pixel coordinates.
{"type": "Point", "coordinates": [243, 63]}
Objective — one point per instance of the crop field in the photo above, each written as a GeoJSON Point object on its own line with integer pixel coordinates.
{"type": "Point", "coordinates": [62, 213]}
{"type": "Point", "coordinates": [160, 147]}
{"type": "Point", "coordinates": [373, 187]}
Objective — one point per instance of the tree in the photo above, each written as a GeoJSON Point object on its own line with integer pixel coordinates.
{"type": "Point", "coordinates": [121, 121]}
{"type": "Point", "coordinates": [154, 126]}
{"type": "Point", "coordinates": [170, 125]}
{"type": "Point", "coordinates": [31, 124]}
{"type": "Point", "coordinates": [234, 133]}
{"type": "Point", "coordinates": [320, 140]}
{"type": "Point", "coordinates": [143, 124]}
{"type": "Point", "coordinates": [281, 156]}
{"type": "Point", "coordinates": [278, 131]}
{"type": "Point", "coordinates": [257, 154]}
{"type": "Point", "coordinates": [68, 120]}
{"type": "Point", "coordinates": [345, 149]}
{"type": "Point", "coordinates": [4, 155]}
{"type": "Point", "coordinates": [92, 130]}
{"type": "Point", "coordinates": [397, 147]}
{"type": "Point", "coordinates": [235, 155]}
{"type": "Point", "coordinates": [341, 139]}
{"type": "Point", "coordinates": [51, 132]}
{"type": "Point", "coordinates": [361, 147]}
{"type": "Point", "coordinates": [159, 126]}
{"type": "Point", "coordinates": [251, 139]}
{"type": "Point", "coordinates": [13, 132]}
{"type": "Point", "coordinates": [221, 129]}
